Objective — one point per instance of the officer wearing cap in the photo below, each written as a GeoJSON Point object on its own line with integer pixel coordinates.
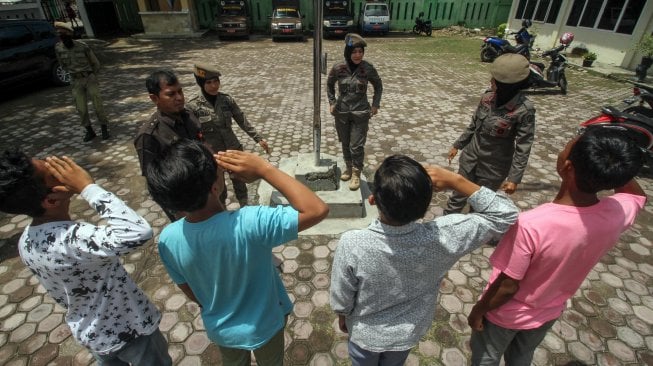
{"type": "Point", "coordinates": [216, 110]}
{"type": "Point", "coordinates": [79, 60]}
{"type": "Point", "coordinates": [352, 110]}
{"type": "Point", "coordinates": [497, 143]}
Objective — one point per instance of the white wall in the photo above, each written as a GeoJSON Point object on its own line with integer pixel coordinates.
{"type": "Point", "coordinates": [610, 47]}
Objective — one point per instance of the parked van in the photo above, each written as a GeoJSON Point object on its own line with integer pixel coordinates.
{"type": "Point", "coordinates": [374, 18]}
{"type": "Point", "coordinates": [286, 20]}
{"type": "Point", "coordinates": [232, 19]}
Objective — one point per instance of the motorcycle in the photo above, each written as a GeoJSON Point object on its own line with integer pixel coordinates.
{"type": "Point", "coordinates": [555, 73]}
{"type": "Point", "coordinates": [494, 47]}
{"type": "Point", "coordinates": [641, 94]}
{"type": "Point", "coordinates": [422, 26]}
{"type": "Point", "coordinates": [637, 126]}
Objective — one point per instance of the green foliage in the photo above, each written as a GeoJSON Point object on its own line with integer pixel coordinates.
{"type": "Point", "coordinates": [645, 45]}
{"type": "Point", "coordinates": [501, 30]}
{"type": "Point", "coordinates": [590, 56]}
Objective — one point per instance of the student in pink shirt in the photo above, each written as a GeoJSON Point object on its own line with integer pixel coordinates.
{"type": "Point", "coordinates": [543, 259]}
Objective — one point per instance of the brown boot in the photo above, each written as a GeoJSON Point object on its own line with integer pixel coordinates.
{"type": "Point", "coordinates": [346, 175]}
{"type": "Point", "coordinates": [355, 181]}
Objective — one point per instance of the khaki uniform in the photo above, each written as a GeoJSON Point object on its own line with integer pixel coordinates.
{"type": "Point", "coordinates": [216, 123]}
{"type": "Point", "coordinates": [161, 131]}
{"type": "Point", "coordinates": [81, 63]}
{"type": "Point", "coordinates": [496, 145]}
{"type": "Point", "coordinates": [352, 109]}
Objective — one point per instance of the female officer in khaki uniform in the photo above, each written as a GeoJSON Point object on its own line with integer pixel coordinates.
{"type": "Point", "coordinates": [351, 110]}
{"type": "Point", "coordinates": [215, 111]}
{"type": "Point", "coordinates": [497, 143]}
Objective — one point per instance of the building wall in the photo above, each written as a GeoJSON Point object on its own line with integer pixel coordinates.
{"type": "Point", "coordinates": [611, 47]}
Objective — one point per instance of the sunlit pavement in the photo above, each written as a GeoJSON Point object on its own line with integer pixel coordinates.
{"type": "Point", "coordinates": [428, 99]}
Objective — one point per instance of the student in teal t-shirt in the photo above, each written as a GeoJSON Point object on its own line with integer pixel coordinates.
{"type": "Point", "coordinates": [223, 259]}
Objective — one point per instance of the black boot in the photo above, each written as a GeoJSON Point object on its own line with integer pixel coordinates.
{"type": "Point", "coordinates": [90, 134]}
{"type": "Point", "coordinates": [105, 132]}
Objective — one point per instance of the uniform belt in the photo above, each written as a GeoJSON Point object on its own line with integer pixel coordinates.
{"type": "Point", "coordinates": [81, 74]}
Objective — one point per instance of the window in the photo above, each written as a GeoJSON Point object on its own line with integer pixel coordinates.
{"type": "Point", "coordinates": [541, 10]}
{"type": "Point", "coordinates": [14, 36]}
{"type": "Point", "coordinates": [619, 16]}
{"type": "Point", "coordinates": [43, 30]}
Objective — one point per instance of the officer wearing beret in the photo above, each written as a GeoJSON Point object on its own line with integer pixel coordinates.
{"type": "Point", "coordinates": [497, 143]}
{"type": "Point", "coordinates": [352, 110]}
{"type": "Point", "coordinates": [79, 60]}
{"type": "Point", "coordinates": [171, 121]}
{"type": "Point", "coordinates": [216, 110]}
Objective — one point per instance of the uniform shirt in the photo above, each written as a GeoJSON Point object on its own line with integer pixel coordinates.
{"type": "Point", "coordinates": [226, 260]}
{"type": "Point", "coordinates": [498, 140]}
{"type": "Point", "coordinates": [551, 250]}
{"type": "Point", "coordinates": [161, 131]}
{"type": "Point", "coordinates": [79, 265]}
{"type": "Point", "coordinates": [352, 87]}
{"type": "Point", "coordinates": [219, 116]}
{"type": "Point", "coordinates": [78, 59]}
{"type": "Point", "coordinates": [385, 279]}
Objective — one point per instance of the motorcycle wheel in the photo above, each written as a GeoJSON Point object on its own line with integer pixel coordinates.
{"type": "Point", "coordinates": [429, 31]}
{"type": "Point", "coordinates": [415, 30]}
{"type": "Point", "coordinates": [563, 84]}
{"type": "Point", "coordinates": [487, 54]}
{"type": "Point", "coordinates": [646, 112]}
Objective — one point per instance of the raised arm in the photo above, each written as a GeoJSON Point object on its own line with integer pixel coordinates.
{"type": "Point", "coordinates": [631, 187]}
{"type": "Point", "coordinates": [125, 229]}
{"type": "Point", "coordinates": [249, 167]}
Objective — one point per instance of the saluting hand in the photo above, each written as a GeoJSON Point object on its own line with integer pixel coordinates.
{"type": "Point", "coordinates": [73, 177]}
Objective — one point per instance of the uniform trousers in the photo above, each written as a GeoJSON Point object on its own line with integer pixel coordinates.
{"type": "Point", "coordinates": [458, 201]}
{"type": "Point", "coordinates": [222, 139]}
{"type": "Point", "coordinates": [83, 88]}
{"type": "Point", "coordinates": [352, 133]}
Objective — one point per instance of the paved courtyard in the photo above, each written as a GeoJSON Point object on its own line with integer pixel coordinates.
{"type": "Point", "coordinates": [429, 96]}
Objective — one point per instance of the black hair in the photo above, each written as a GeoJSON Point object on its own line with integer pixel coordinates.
{"type": "Point", "coordinates": [21, 191]}
{"type": "Point", "coordinates": [153, 82]}
{"type": "Point", "coordinates": [604, 158]}
{"type": "Point", "coordinates": [402, 189]}
{"type": "Point", "coordinates": [181, 179]}
{"type": "Point", "coordinates": [505, 92]}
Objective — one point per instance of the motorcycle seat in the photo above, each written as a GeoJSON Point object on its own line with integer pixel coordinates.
{"type": "Point", "coordinates": [644, 86]}
{"type": "Point", "coordinates": [538, 64]}
{"type": "Point", "coordinates": [628, 116]}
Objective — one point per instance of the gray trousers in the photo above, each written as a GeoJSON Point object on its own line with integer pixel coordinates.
{"type": "Point", "coordinates": [516, 346]}
{"type": "Point", "coordinates": [363, 357]}
{"type": "Point", "coordinates": [146, 350]}
{"type": "Point", "coordinates": [352, 133]}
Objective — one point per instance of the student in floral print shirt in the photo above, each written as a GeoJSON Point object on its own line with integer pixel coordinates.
{"type": "Point", "coordinates": [78, 263]}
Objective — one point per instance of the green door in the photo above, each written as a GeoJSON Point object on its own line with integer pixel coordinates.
{"type": "Point", "coordinates": [128, 18]}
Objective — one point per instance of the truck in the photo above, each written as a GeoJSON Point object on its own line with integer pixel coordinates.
{"type": "Point", "coordinates": [286, 20]}
{"type": "Point", "coordinates": [232, 19]}
{"type": "Point", "coordinates": [374, 18]}
{"type": "Point", "coordinates": [338, 18]}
